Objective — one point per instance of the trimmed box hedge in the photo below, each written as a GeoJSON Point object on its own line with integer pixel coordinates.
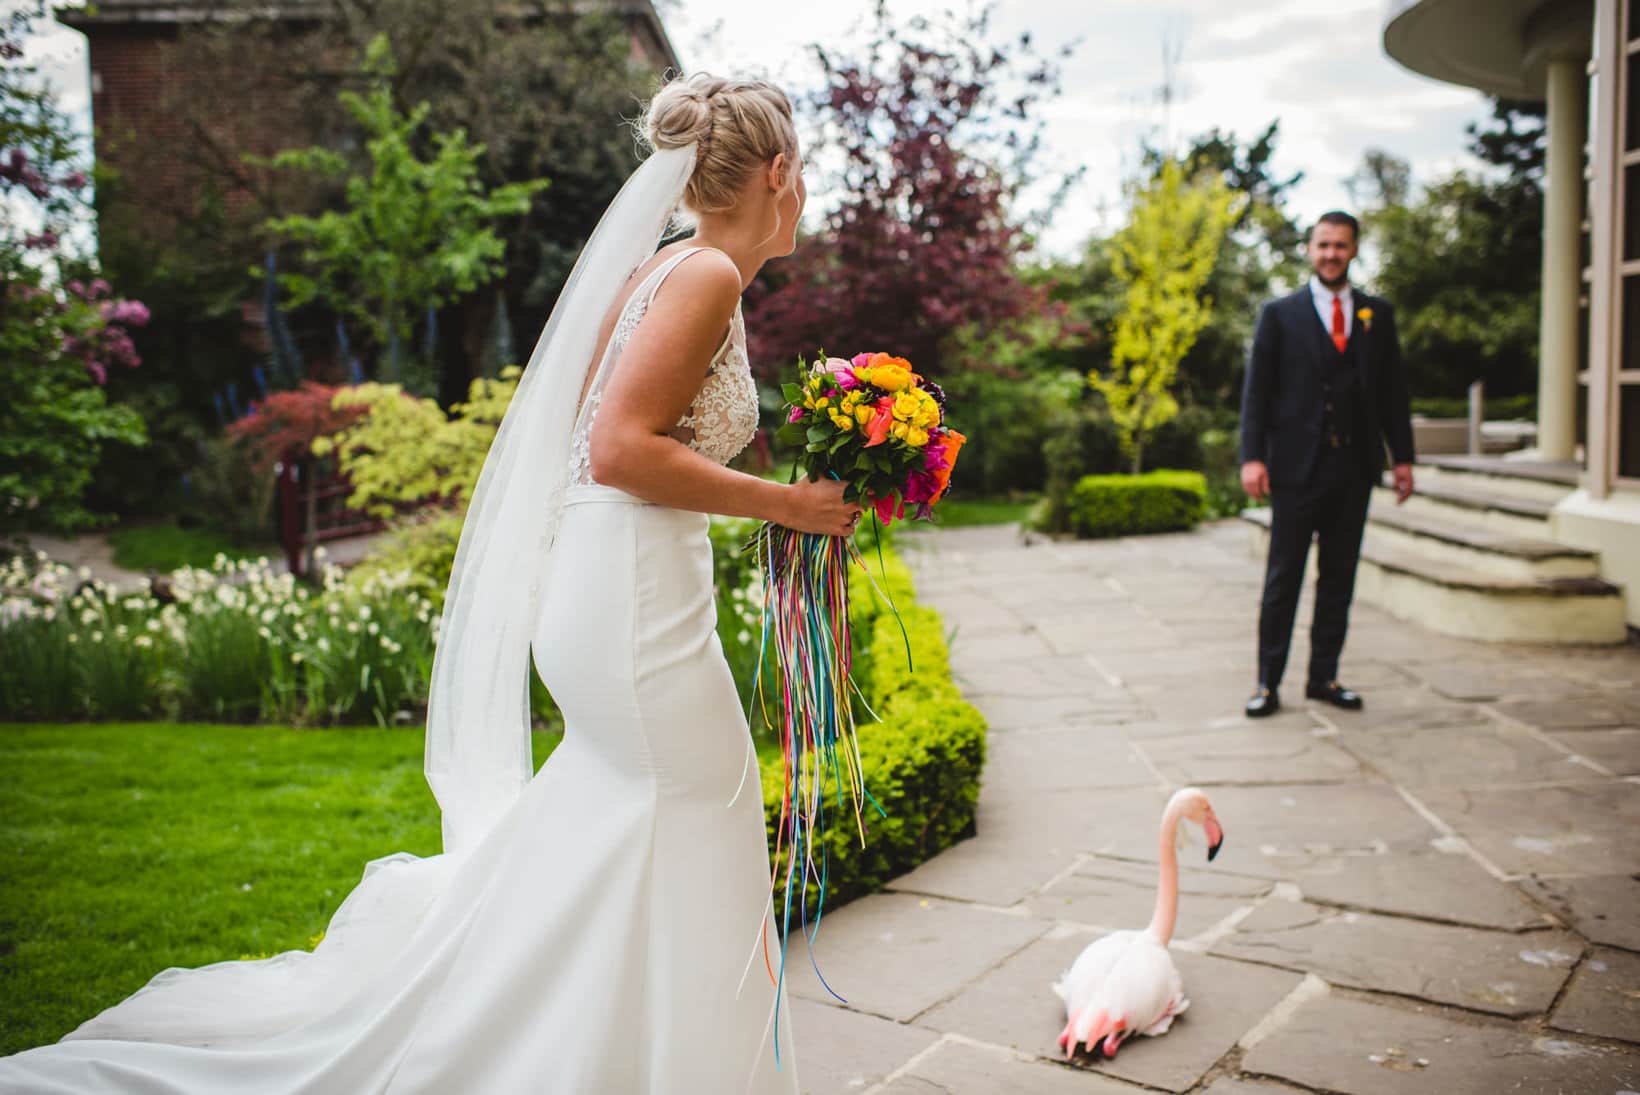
{"type": "Point", "coordinates": [1124, 505]}
{"type": "Point", "coordinates": [922, 761]}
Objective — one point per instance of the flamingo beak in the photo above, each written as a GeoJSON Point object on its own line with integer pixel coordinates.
{"type": "Point", "coordinates": [1215, 837]}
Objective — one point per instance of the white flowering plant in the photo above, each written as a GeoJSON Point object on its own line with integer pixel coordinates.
{"type": "Point", "coordinates": [230, 642]}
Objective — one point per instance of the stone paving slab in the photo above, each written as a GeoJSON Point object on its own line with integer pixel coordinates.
{"type": "Point", "coordinates": [1617, 751]}
{"type": "Point", "coordinates": [1603, 998]}
{"type": "Point", "coordinates": [1586, 711]}
{"type": "Point", "coordinates": [1014, 1006]}
{"type": "Point", "coordinates": [1250, 753]}
{"type": "Point", "coordinates": [897, 955]}
{"type": "Point", "coordinates": [1480, 754]}
{"type": "Point", "coordinates": [1224, 1085]}
{"type": "Point", "coordinates": [1405, 709]}
{"type": "Point", "coordinates": [843, 1052]}
{"type": "Point", "coordinates": [956, 1068]}
{"type": "Point", "coordinates": [1437, 884]}
{"type": "Point", "coordinates": [985, 645]}
{"type": "Point", "coordinates": [1006, 714]}
{"type": "Point", "coordinates": [1602, 908]}
{"type": "Point", "coordinates": [1501, 679]}
{"type": "Point", "coordinates": [1116, 893]}
{"type": "Point", "coordinates": [1284, 831]}
{"type": "Point", "coordinates": [1030, 762]}
{"type": "Point", "coordinates": [1069, 674]}
{"type": "Point", "coordinates": [1501, 972]}
{"type": "Point", "coordinates": [1336, 1044]}
{"type": "Point", "coordinates": [1100, 821]}
{"type": "Point", "coordinates": [978, 870]}
{"type": "Point", "coordinates": [1584, 829]}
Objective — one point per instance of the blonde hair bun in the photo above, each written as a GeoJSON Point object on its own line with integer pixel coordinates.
{"type": "Point", "coordinates": [736, 127]}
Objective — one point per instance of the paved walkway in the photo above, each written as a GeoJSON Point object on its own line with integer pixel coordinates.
{"type": "Point", "coordinates": [1435, 895]}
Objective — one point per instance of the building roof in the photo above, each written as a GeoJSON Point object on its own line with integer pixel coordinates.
{"type": "Point", "coordinates": [1501, 47]}
{"type": "Point", "coordinates": [171, 12]}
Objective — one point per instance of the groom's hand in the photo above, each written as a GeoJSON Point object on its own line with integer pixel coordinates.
{"type": "Point", "coordinates": [1255, 480]}
{"type": "Point", "coordinates": [1403, 482]}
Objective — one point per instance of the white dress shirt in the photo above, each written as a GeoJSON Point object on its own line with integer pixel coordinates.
{"type": "Point", "coordinates": [1323, 298]}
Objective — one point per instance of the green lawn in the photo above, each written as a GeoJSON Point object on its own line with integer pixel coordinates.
{"type": "Point", "coordinates": [127, 848]}
{"type": "Point", "coordinates": [167, 547]}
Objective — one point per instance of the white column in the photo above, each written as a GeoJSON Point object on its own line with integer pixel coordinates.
{"type": "Point", "coordinates": [1562, 216]}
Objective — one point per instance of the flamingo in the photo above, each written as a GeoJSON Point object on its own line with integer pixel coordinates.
{"type": "Point", "coordinates": [1126, 984]}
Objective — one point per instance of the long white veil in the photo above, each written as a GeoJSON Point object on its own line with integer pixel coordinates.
{"type": "Point", "coordinates": [478, 717]}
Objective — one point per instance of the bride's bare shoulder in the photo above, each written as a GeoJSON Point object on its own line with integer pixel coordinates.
{"type": "Point", "coordinates": [703, 285]}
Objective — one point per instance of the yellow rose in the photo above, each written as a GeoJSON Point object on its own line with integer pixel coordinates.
{"type": "Point", "coordinates": [891, 378]}
{"type": "Point", "coordinates": [916, 437]}
{"type": "Point", "coordinates": [928, 411]}
{"type": "Point", "coordinates": [864, 414]}
{"type": "Point", "coordinates": [905, 406]}
{"type": "Point", "coordinates": [899, 430]}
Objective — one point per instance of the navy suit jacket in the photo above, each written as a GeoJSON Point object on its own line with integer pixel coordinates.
{"type": "Point", "coordinates": [1282, 401]}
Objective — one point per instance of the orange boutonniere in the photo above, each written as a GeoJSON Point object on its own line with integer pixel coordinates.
{"type": "Point", "coordinates": [1365, 316]}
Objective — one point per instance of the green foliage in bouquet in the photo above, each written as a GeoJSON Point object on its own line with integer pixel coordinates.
{"type": "Point", "coordinates": [922, 762]}
{"type": "Point", "coordinates": [1123, 505]}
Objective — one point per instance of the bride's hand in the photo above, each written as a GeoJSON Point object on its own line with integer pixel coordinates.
{"type": "Point", "coordinates": [818, 506]}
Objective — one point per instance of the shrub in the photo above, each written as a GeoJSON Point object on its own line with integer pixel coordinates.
{"type": "Point", "coordinates": [1121, 505]}
{"type": "Point", "coordinates": [922, 761]}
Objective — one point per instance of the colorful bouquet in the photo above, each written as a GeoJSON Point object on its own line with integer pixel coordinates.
{"type": "Point", "coordinates": [876, 425]}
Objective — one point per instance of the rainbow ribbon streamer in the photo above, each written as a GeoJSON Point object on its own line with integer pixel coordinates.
{"type": "Point", "coordinates": [806, 631]}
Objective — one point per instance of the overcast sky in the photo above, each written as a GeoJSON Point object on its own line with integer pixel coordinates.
{"type": "Point", "coordinates": [1319, 68]}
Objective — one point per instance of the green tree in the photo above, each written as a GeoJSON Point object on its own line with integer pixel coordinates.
{"type": "Point", "coordinates": [414, 233]}
{"type": "Point", "coordinates": [1162, 258]}
{"type": "Point", "coordinates": [1259, 258]}
{"type": "Point", "coordinates": [1462, 259]}
{"type": "Point", "coordinates": [61, 328]}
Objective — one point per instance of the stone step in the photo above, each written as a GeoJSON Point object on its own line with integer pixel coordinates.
{"type": "Point", "coordinates": [1494, 552]}
{"type": "Point", "coordinates": [1456, 600]}
{"type": "Point", "coordinates": [1540, 480]}
{"type": "Point", "coordinates": [1430, 502]}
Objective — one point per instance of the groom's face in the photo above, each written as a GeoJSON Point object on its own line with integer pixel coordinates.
{"type": "Point", "coordinates": [1331, 248]}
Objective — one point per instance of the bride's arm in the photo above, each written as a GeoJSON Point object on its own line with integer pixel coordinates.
{"type": "Point", "coordinates": [659, 374]}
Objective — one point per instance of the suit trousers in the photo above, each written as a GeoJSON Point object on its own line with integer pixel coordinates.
{"type": "Point", "coordinates": [1332, 510]}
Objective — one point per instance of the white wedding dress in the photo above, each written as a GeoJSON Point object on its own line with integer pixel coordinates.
{"type": "Point", "coordinates": [605, 936]}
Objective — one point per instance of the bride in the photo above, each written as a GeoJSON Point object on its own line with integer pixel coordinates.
{"type": "Point", "coordinates": [602, 926]}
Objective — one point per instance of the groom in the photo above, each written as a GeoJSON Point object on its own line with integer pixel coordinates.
{"type": "Point", "coordinates": [1324, 390]}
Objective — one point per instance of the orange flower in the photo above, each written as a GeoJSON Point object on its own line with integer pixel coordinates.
{"type": "Point", "coordinates": [953, 444]}
{"type": "Point", "coordinates": [877, 431]}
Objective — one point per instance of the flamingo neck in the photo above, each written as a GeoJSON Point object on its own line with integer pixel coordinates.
{"type": "Point", "coordinates": [1167, 883]}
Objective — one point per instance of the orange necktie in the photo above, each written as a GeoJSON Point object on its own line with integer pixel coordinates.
{"type": "Point", "coordinates": [1340, 339]}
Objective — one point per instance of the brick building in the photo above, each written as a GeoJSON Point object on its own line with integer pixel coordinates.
{"type": "Point", "coordinates": [173, 121]}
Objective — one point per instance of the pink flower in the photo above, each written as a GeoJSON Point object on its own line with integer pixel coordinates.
{"type": "Point", "coordinates": [921, 486]}
{"type": "Point", "coordinates": [934, 453]}
{"type": "Point", "coordinates": [860, 361]}
{"type": "Point", "coordinates": [132, 313]}
{"type": "Point", "coordinates": [842, 373]}
{"type": "Point", "coordinates": [796, 415]}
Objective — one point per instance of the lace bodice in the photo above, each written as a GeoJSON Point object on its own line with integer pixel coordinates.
{"type": "Point", "coordinates": [723, 417]}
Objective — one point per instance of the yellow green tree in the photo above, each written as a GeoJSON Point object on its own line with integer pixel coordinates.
{"type": "Point", "coordinates": [1161, 259]}
{"type": "Point", "coordinates": [404, 449]}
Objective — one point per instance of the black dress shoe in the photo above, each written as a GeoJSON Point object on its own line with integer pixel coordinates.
{"type": "Point", "coordinates": [1263, 702]}
{"type": "Point", "coordinates": [1335, 694]}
